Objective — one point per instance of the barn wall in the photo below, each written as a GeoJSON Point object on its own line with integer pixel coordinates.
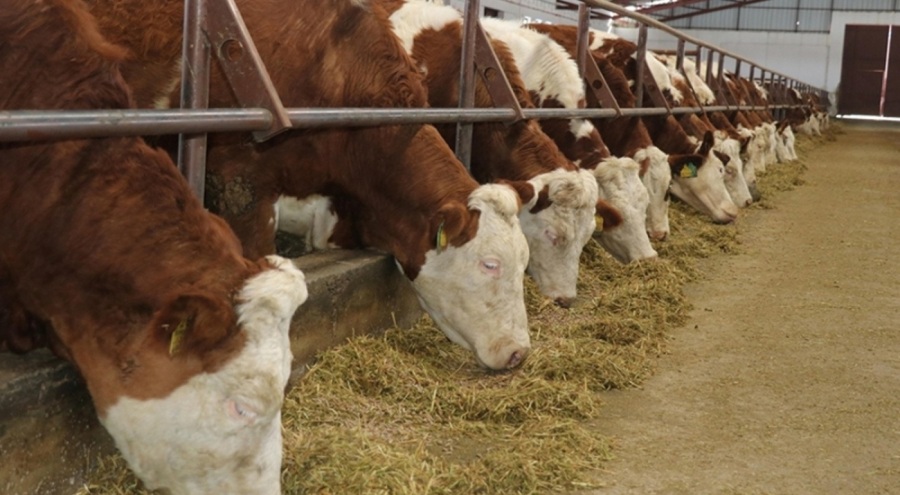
{"type": "Point", "coordinates": [814, 58]}
{"type": "Point", "coordinates": [803, 56]}
{"type": "Point", "coordinates": [533, 10]}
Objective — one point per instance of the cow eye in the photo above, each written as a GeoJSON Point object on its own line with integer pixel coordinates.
{"type": "Point", "coordinates": [552, 236]}
{"type": "Point", "coordinates": [240, 411]}
{"type": "Point", "coordinates": [490, 266]}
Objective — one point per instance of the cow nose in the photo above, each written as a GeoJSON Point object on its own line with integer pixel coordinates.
{"type": "Point", "coordinates": [564, 302]}
{"type": "Point", "coordinates": [516, 358]}
{"type": "Point", "coordinates": [754, 192]}
{"type": "Point", "coordinates": [658, 235]}
{"type": "Point", "coordinates": [748, 203]}
{"type": "Point", "coordinates": [726, 219]}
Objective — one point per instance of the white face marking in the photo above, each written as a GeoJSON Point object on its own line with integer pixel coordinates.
{"type": "Point", "coordinates": [310, 217]}
{"type": "Point", "coordinates": [735, 182]}
{"type": "Point", "coordinates": [657, 180]}
{"type": "Point", "coordinates": [475, 292]}
{"type": "Point", "coordinates": [756, 150]}
{"type": "Point", "coordinates": [707, 192]}
{"type": "Point", "coordinates": [620, 186]}
{"type": "Point", "coordinates": [221, 432]}
{"type": "Point", "coordinates": [789, 140]}
{"type": "Point", "coordinates": [772, 141]}
{"type": "Point", "coordinates": [557, 234]}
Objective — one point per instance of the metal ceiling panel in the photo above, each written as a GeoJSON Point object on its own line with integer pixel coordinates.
{"type": "Point", "coordinates": [866, 5]}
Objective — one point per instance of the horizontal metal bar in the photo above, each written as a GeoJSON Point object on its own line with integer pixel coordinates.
{"type": "Point", "coordinates": [26, 125]}
{"type": "Point", "coordinates": [32, 125]}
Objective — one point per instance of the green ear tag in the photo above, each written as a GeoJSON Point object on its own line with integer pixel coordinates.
{"type": "Point", "coordinates": [440, 240]}
{"type": "Point", "coordinates": [598, 220]}
{"type": "Point", "coordinates": [689, 171]}
{"type": "Point", "coordinates": [177, 337]}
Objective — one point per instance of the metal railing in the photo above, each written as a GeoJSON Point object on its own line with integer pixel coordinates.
{"type": "Point", "coordinates": [266, 117]}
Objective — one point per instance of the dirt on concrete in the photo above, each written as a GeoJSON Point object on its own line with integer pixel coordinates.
{"type": "Point", "coordinates": [787, 378]}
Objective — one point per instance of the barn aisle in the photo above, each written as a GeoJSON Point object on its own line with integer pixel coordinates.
{"type": "Point", "coordinates": [787, 378]}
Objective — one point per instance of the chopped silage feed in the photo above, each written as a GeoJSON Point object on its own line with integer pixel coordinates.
{"type": "Point", "coordinates": [407, 411]}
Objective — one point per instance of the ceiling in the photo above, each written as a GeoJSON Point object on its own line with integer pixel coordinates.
{"type": "Point", "coordinates": [664, 12]}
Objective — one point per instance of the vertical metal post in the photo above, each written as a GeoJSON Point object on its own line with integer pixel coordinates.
{"type": "Point", "coordinates": [467, 81]}
{"type": "Point", "coordinates": [194, 94]}
{"type": "Point", "coordinates": [641, 57]}
{"type": "Point", "coordinates": [679, 56]}
{"type": "Point", "coordinates": [584, 37]}
{"type": "Point", "coordinates": [709, 64]}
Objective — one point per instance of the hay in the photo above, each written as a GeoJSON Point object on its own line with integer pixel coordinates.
{"type": "Point", "coordinates": [407, 411]}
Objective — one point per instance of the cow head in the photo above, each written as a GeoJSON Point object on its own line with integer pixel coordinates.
{"type": "Point", "coordinates": [220, 431]}
{"type": "Point", "coordinates": [656, 176]}
{"type": "Point", "coordinates": [772, 140]}
{"type": "Point", "coordinates": [620, 185]}
{"type": "Point", "coordinates": [787, 135]}
{"type": "Point", "coordinates": [699, 180]}
{"type": "Point", "coordinates": [729, 152]}
{"type": "Point", "coordinates": [784, 146]}
{"type": "Point", "coordinates": [558, 222]}
{"type": "Point", "coordinates": [472, 282]}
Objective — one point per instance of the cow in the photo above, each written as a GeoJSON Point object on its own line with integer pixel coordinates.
{"type": "Point", "coordinates": [558, 227]}
{"type": "Point", "coordinates": [553, 81]}
{"type": "Point", "coordinates": [698, 124]}
{"type": "Point", "coordinates": [108, 258]}
{"type": "Point", "coordinates": [624, 138]}
{"type": "Point", "coordinates": [708, 194]}
{"type": "Point", "coordinates": [396, 188]}
{"type": "Point", "coordinates": [759, 122]}
{"type": "Point", "coordinates": [615, 58]}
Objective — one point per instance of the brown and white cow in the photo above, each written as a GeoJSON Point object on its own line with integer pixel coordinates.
{"type": "Point", "coordinates": [560, 221]}
{"type": "Point", "coordinates": [108, 258]}
{"type": "Point", "coordinates": [697, 125]}
{"type": "Point", "coordinates": [397, 188]}
{"type": "Point", "coordinates": [553, 80]}
{"type": "Point", "coordinates": [704, 190]}
{"type": "Point", "coordinates": [627, 137]}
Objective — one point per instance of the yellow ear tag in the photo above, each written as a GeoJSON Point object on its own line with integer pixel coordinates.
{"type": "Point", "coordinates": [177, 337]}
{"type": "Point", "coordinates": [598, 220]}
{"type": "Point", "coordinates": [440, 240]}
{"type": "Point", "coordinates": [689, 171]}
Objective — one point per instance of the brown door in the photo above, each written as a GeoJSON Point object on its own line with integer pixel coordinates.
{"type": "Point", "coordinates": [862, 70]}
{"type": "Point", "coordinates": [892, 83]}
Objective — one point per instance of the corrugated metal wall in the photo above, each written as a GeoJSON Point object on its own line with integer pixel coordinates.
{"type": "Point", "coordinates": [799, 16]}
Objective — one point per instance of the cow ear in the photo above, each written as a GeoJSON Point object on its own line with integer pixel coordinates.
{"type": "Point", "coordinates": [708, 141]}
{"type": "Point", "coordinates": [193, 323]}
{"type": "Point", "coordinates": [781, 126]}
{"type": "Point", "coordinates": [685, 166]}
{"type": "Point", "coordinates": [723, 157]}
{"type": "Point", "coordinates": [451, 225]}
{"type": "Point", "coordinates": [607, 216]}
{"type": "Point", "coordinates": [745, 140]}
{"type": "Point", "coordinates": [524, 190]}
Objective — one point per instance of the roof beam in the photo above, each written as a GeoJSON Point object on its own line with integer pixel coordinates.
{"type": "Point", "coordinates": [666, 6]}
{"type": "Point", "coordinates": [734, 4]}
